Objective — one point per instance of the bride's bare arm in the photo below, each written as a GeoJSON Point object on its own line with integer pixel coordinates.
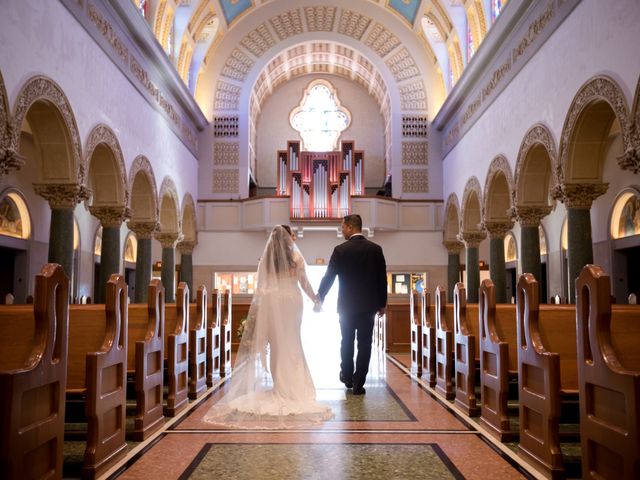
{"type": "Point", "coordinates": [303, 280]}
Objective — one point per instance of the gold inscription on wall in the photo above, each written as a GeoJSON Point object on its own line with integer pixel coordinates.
{"type": "Point", "coordinates": [107, 31]}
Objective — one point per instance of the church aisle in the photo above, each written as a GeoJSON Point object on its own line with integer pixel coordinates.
{"type": "Point", "coordinates": [397, 430]}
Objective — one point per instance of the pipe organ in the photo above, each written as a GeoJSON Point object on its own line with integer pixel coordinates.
{"type": "Point", "coordinates": [320, 184]}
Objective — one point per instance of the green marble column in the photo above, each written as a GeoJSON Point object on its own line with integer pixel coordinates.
{"type": "Point", "coordinates": [472, 240]}
{"type": "Point", "coordinates": [61, 239]}
{"type": "Point", "coordinates": [453, 266]}
{"type": "Point", "coordinates": [529, 218]}
{"type": "Point", "coordinates": [580, 246]}
{"type": "Point", "coordinates": [186, 264]}
{"type": "Point", "coordinates": [578, 198]}
{"type": "Point", "coordinates": [144, 232]}
{"type": "Point", "coordinates": [62, 198]}
{"type": "Point", "coordinates": [111, 219]}
{"type": "Point", "coordinates": [497, 269]}
{"type": "Point", "coordinates": [168, 241]}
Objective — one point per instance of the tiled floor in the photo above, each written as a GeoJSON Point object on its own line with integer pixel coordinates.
{"type": "Point", "coordinates": [399, 429]}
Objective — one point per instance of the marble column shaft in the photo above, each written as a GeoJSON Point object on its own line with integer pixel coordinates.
{"type": "Point", "coordinates": [144, 232]}
{"type": "Point", "coordinates": [186, 264]}
{"type": "Point", "coordinates": [578, 198]}
{"type": "Point", "coordinates": [497, 270]}
{"type": "Point", "coordinates": [472, 241]}
{"type": "Point", "coordinates": [61, 239]}
{"type": "Point", "coordinates": [62, 198]}
{"type": "Point", "coordinates": [453, 265]}
{"type": "Point", "coordinates": [167, 274]}
{"type": "Point", "coordinates": [111, 219]}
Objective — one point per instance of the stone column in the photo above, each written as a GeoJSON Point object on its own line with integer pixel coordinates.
{"type": "Point", "coordinates": [472, 240]}
{"type": "Point", "coordinates": [144, 232]}
{"type": "Point", "coordinates": [454, 247]}
{"type": "Point", "coordinates": [186, 263]}
{"type": "Point", "coordinates": [497, 269]}
{"type": "Point", "coordinates": [578, 198]}
{"type": "Point", "coordinates": [62, 198]}
{"type": "Point", "coordinates": [111, 219]}
{"type": "Point", "coordinates": [529, 218]}
{"type": "Point", "coordinates": [168, 241]}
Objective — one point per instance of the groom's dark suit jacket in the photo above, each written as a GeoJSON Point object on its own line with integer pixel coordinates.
{"type": "Point", "coordinates": [362, 272]}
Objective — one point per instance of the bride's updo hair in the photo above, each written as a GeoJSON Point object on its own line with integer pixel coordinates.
{"type": "Point", "coordinates": [279, 255]}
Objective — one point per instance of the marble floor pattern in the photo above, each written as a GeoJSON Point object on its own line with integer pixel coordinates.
{"type": "Point", "coordinates": [399, 429]}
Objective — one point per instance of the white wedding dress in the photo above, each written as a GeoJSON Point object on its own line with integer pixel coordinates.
{"type": "Point", "coordinates": [271, 385]}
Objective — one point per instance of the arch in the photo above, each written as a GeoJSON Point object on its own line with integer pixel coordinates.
{"type": "Point", "coordinates": [130, 250]}
{"type": "Point", "coordinates": [4, 118]}
{"type": "Point", "coordinates": [188, 215]}
{"type": "Point", "coordinates": [169, 207]}
{"type": "Point", "coordinates": [635, 113]}
{"type": "Point", "coordinates": [44, 105]}
{"type": "Point", "coordinates": [15, 218]}
{"type": "Point", "coordinates": [596, 106]}
{"type": "Point", "coordinates": [106, 169]}
{"type": "Point", "coordinates": [143, 201]}
{"type": "Point", "coordinates": [511, 249]}
{"type": "Point", "coordinates": [472, 214]}
{"type": "Point", "coordinates": [498, 188]}
{"type": "Point", "coordinates": [452, 218]}
{"type": "Point", "coordinates": [536, 167]}
{"type": "Point", "coordinates": [624, 214]}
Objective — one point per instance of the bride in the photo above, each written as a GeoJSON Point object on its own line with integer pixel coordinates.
{"type": "Point", "coordinates": [271, 386]}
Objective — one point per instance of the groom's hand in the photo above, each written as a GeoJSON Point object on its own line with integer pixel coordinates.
{"type": "Point", "coordinates": [382, 311]}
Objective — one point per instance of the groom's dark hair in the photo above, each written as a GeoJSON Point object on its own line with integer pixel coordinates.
{"type": "Point", "coordinates": [354, 221]}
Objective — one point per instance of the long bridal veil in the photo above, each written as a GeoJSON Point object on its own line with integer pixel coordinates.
{"type": "Point", "coordinates": [271, 386]}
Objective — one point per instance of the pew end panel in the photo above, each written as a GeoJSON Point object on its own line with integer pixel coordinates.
{"type": "Point", "coordinates": [444, 345]}
{"type": "Point", "coordinates": [497, 331]}
{"type": "Point", "coordinates": [198, 345]}
{"type": "Point", "coordinates": [427, 312]}
{"type": "Point", "coordinates": [466, 352]}
{"type": "Point", "coordinates": [416, 334]}
{"type": "Point", "coordinates": [213, 338]}
{"type": "Point", "coordinates": [177, 348]}
{"type": "Point", "coordinates": [226, 326]}
{"type": "Point", "coordinates": [33, 379]}
{"type": "Point", "coordinates": [609, 388]}
{"type": "Point", "coordinates": [146, 342]}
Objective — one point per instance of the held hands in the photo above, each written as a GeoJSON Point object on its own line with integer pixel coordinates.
{"type": "Point", "coordinates": [317, 305]}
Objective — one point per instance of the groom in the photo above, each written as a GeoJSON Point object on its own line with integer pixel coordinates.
{"type": "Point", "coordinates": [362, 272]}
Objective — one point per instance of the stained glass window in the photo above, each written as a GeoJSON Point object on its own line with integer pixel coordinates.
{"type": "Point", "coordinates": [625, 220]}
{"type": "Point", "coordinates": [142, 7]}
{"type": "Point", "coordinates": [319, 118]}
{"type": "Point", "coordinates": [496, 8]}
{"type": "Point", "coordinates": [470, 50]}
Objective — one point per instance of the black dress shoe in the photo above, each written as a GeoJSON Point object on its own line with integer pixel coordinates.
{"type": "Point", "coordinates": [359, 391]}
{"type": "Point", "coordinates": [347, 383]}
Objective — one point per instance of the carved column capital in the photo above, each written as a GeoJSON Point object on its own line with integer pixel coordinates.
{"type": "Point", "coordinates": [454, 247]}
{"type": "Point", "coordinates": [472, 238]}
{"type": "Point", "coordinates": [10, 160]}
{"type": "Point", "coordinates": [579, 195]}
{"type": "Point", "coordinates": [62, 195]}
{"type": "Point", "coordinates": [186, 247]}
{"type": "Point", "coordinates": [143, 230]}
{"type": "Point", "coordinates": [530, 215]}
{"type": "Point", "coordinates": [497, 230]}
{"type": "Point", "coordinates": [630, 160]}
{"type": "Point", "coordinates": [112, 216]}
{"type": "Point", "coordinates": [168, 239]}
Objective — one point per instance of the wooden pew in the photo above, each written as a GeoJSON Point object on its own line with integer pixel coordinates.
{"type": "Point", "coordinates": [498, 362]}
{"type": "Point", "coordinates": [145, 360]}
{"type": "Point", "coordinates": [33, 377]}
{"type": "Point", "coordinates": [428, 328]}
{"type": "Point", "coordinates": [225, 333]}
{"type": "Point", "coordinates": [444, 345]}
{"type": "Point", "coordinates": [198, 344]}
{"type": "Point", "coordinates": [416, 334]}
{"type": "Point", "coordinates": [381, 322]}
{"type": "Point", "coordinates": [176, 351]}
{"type": "Point", "coordinates": [213, 338]}
{"type": "Point", "coordinates": [96, 373]}
{"type": "Point", "coordinates": [609, 380]}
{"type": "Point", "coordinates": [547, 374]}
{"type": "Point", "coordinates": [467, 351]}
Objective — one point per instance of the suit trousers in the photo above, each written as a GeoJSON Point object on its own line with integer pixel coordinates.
{"type": "Point", "coordinates": [352, 324]}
